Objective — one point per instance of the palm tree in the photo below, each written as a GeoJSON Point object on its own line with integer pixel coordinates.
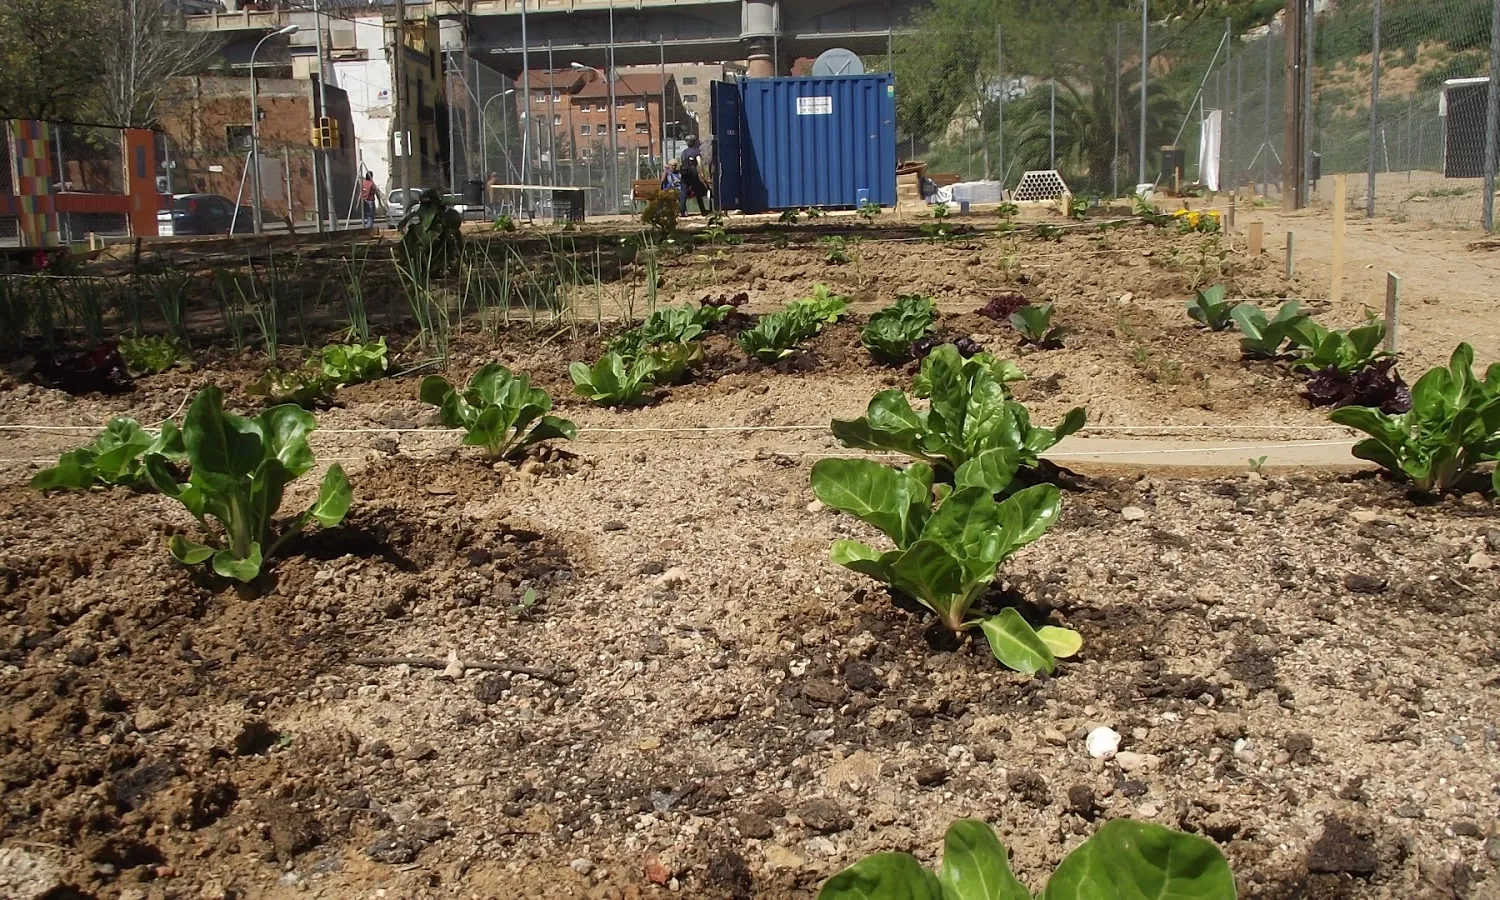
{"type": "Point", "coordinates": [1087, 129]}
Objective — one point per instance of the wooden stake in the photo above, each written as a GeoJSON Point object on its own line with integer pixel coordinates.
{"type": "Point", "coordinates": [1257, 237]}
{"type": "Point", "coordinates": [1290, 270]}
{"type": "Point", "coordinates": [1336, 287]}
{"type": "Point", "coordinates": [1229, 217]}
{"type": "Point", "coordinates": [1392, 309]}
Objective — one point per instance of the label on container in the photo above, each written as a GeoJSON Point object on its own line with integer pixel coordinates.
{"type": "Point", "coordinates": [814, 106]}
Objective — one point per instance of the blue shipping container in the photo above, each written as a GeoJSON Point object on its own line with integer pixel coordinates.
{"type": "Point", "coordinates": [785, 143]}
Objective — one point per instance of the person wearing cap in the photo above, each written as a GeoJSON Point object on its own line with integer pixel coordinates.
{"type": "Point", "coordinates": [692, 182]}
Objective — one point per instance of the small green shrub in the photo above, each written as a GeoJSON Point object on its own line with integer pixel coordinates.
{"type": "Point", "coordinates": [1034, 323]}
{"type": "Point", "coordinates": [239, 469]}
{"type": "Point", "coordinates": [868, 210]}
{"type": "Point", "coordinates": [660, 214]}
{"type": "Point", "coordinates": [890, 332]}
{"type": "Point", "coordinates": [149, 355]}
{"type": "Point", "coordinates": [1345, 352]}
{"type": "Point", "coordinates": [1452, 426]}
{"type": "Point", "coordinates": [612, 381]}
{"type": "Point", "coordinates": [498, 411]}
{"type": "Point", "coordinates": [116, 457]}
{"type": "Point", "coordinates": [836, 250]}
{"type": "Point", "coordinates": [1210, 308]}
{"type": "Point", "coordinates": [1123, 860]}
{"type": "Point", "coordinates": [946, 557]}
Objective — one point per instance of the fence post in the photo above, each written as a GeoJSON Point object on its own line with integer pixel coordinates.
{"type": "Point", "coordinates": [1340, 200]}
{"type": "Point", "coordinates": [1290, 266]}
{"type": "Point", "coordinates": [1000, 104]}
{"type": "Point", "coordinates": [1145, 53]}
{"type": "Point", "coordinates": [1115, 160]}
{"type": "Point", "coordinates": [1491, 113]}
{"type": "Point", "coordinates": [1374, 109]}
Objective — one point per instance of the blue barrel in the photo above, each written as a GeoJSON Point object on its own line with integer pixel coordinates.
{"type": "Point", "coordinates": [827, 141]}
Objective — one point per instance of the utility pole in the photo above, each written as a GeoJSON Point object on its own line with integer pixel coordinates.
{"type": "Point", "coordinates": [1293, 160]}
{"type": "Point", "coordinates": [614, 140]}
{"type": "Point", "coordinates": [525, 105]}
{"type": "Point", "coordinates": [1145, 60]}
{"type": "Point", "coordinates": [322, 152]}
{"type": "Point", "coordinates": [400, 143]}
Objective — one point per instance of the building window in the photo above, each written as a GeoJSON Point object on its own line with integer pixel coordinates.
{"type": "Point", "coordinates": [556, 95]}
{"type": "Point", "coordinates": [583, 129]}
{"type": "Point", "coordinates": [586, 108]}
{"type": "Point", "coordinates": [237, 137]}
{"type": "Point", "coordinates": [690, 80]}
{"type": "Point", "coordinates": [541, 96]}
{"type": "Point", "coordinates": [584, 153]}
{"type": "Point", "coordinates": [556, 120]}
{"type": "Point", "coordinates": [619, 104]}
{"type": "Point", "coordinates": [640, 104]}
{"type": "Point", "coordinates": [421, 95]}
{"type": "Point", "coordinates": [642, 128]}
{"type": "Point", "coordinates": [620, 127]}
{"type": "Point", "coordinates": [689, 98]}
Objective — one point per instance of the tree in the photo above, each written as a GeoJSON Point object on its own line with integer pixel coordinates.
{"type": "Point", "coordinates": [142, 51]}
{"type": "Point", "coordinates": [48, 57]}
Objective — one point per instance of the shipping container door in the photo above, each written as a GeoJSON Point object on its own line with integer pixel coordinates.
{"type": "Point", "coordinates": [725, 112]}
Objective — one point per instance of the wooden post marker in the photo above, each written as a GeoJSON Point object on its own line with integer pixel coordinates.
{"type": "Point", "coordinates": [1257, 236]}
{"type": "Point", "coordinates": [1229, 215]}
{"type": "Point", "coordinates": [1290, 269]}
{"type": "Point", "coordinates": [1392, 309]}
{"type": "Point", "coordinates": [1336, 287]}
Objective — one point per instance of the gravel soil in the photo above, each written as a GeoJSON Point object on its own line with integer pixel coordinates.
{"type": "Point", "coordinates": [627, 668]}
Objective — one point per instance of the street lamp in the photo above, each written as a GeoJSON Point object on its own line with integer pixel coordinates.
{"type": "Point", "coordinates": [255, 130]}
{"type": "Point", "coordinates": [484, 147]}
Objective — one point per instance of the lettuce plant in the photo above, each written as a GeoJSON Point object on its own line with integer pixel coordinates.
{"type": "Point", "coordinates": [1452, 426]}
{"type": "Point", "coordinates": [150, 354]}
{"type": "Point", "coordinates": [238, 470]}
{"type": "Point", "coordinates": [115, 457]}
{"type": "Point", "coordinates": [777, 334]}
{"type": "Point", "coordinates": [614, 382]}
{"type": "Point", "coordinates": [498, 411]}
{"type": "Point", "coordinates": [1002, 305]}
{"type": "Point", "coordinates": [669, 325]}
{"type": "Point", "coordinates": [1262, 338]}
{"type": "Point", "coordinates": [945, 558]}
{"type": "Point", "coordinates": [1344, 351]}
{"type": "Point", "coordinates": [890, 333]}
{"type": "Point", "coordinates": [1210, 308]}
{"type": "Point", "coordinates": [346, 364]}
{"type": "Point", "coordinates": [824, 307]}
{"type": "Point", "coordinates": [1123, 860]}
{"type": "Point", "coordinates": [1376, 385]}
{"type": "Point", "coordinates": [306, 386]}
{"type": "Point", "coordinates": [1035, 325]}
{"type": "Point", "coordinates": [970, 412]}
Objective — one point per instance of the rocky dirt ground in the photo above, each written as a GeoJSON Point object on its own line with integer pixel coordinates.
{"type": "Point", "coordinates": [1302, 666]}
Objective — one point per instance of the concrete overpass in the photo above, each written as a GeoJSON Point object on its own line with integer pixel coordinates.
{"type": "Point", "coordinates": [768, 34]}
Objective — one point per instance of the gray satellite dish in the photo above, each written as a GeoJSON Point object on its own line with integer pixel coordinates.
{"type": "Point", "coordinates": [838, 61]}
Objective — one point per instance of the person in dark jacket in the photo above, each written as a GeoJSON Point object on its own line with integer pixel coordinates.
{"type": "Point", "coordinates": [689, 163]}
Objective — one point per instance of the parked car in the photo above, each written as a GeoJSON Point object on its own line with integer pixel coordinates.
{"type": "Point", "coordinates": [396, 203]}
{"type": "Point", "coordinates": [204, 214]}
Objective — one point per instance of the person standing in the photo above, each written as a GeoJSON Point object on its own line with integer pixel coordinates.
{"type": "Point", "coordinates": [369, 195]}
{"type": "Point", "coordinates": [692, 182]}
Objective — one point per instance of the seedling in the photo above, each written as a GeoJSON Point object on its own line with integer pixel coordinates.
{"type": "Point", "coordinates": [1256, 463]}
{"type": "Point", "coordinates": [498, 411]}
{"type": "Point", "coordinates": [1046, 231]}
{"type": "Point", "coordinates": [868, 210]}
{"type": "Point", "coordinates": [1123, 860]}
{"type": "Point", "coordinates": [346, 364]}
{"type": "Point", "coordinates": [1007, 210]}
{"type": "Point", "coordinates": [836, 252]}
{"type": "Point", "coordinates": [239, 469]}
{"type": "Point", "coordinates": [612, 381]}
{"type": "Point", "coordinates": [1210, 308]}
{"type": "Point", "coordinates": [970, 412]}
{"type": "Point", "coordinates": [789, 217]}
{"type": "Point", "coordinates": [1078, 208]}
{"type": "Point", "coordinates": [149, 355]}
{"type": "Point", "coordinates": [892, 331]}
{"type": "Point", "coordinates": [1263, 338]}
{"type": "Point", "coordinates": [1035, 326]}
{"type": "Point", "coordinates": [528, 604]}
{"type": "Point", "coordinates": [504, 223]}
{"type": "Point", "coordinates": [116, 457]}
{"type": "Point", "coordinates": [946, 557]}
{"type": "Point", "coordinates": [1452, 426]}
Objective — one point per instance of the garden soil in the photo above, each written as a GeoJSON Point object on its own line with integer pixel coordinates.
{"type": "Point", "coordinates": [627, 668]}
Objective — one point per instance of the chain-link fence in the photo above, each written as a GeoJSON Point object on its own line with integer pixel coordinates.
{"type": "Point", "coordinates": [1423, 66]}
{"type": "Point", "coordinates": [984, 97]}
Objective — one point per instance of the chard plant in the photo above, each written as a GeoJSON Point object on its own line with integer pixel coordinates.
{"type": "Point", "coordinates": [1034, 323]}
{"type": "Point", "coordinates": [890, 333]}
{"type": "Point", "coordinates": [1263, 338]}
{"type": "Point", "coordinates": [149, 354]}
{"type": "Point", "coordinates": [1346, 352]}
{"type": "Point", "coordinates": [1123, 860]}
{"type": "Point", "coordinates": [776, 335]}
{"type": "Point", "coordinates": [612, 381]}
{"type": "Point", "coordinates": [238, 470]}
{"type": "Point", "coordinates": [946, 557]}
{"type": "Point", "coordinates": [970, 412]}
{"type": "Point", "coordinates": [498, 411]}
{"type": "Point", "coordinates": [115, 457]}
{"type": "Point", "coordinates": [669, 325]}
{"type": "Point", "coordinates": [835, 250]}
{"type": "Point", "coordinates": [1211, 309]}
{"type": "Point", "coordinates": [1452, 426]}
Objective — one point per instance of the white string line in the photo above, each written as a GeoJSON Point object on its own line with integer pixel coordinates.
{"type": "Point", "coordinates": [1159, 451]}
{"type": "Point", "coordinates": [704, 429]}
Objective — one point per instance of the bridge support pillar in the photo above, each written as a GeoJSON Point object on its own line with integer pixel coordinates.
{"type": "Point", "coordinates": [761, 29]}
